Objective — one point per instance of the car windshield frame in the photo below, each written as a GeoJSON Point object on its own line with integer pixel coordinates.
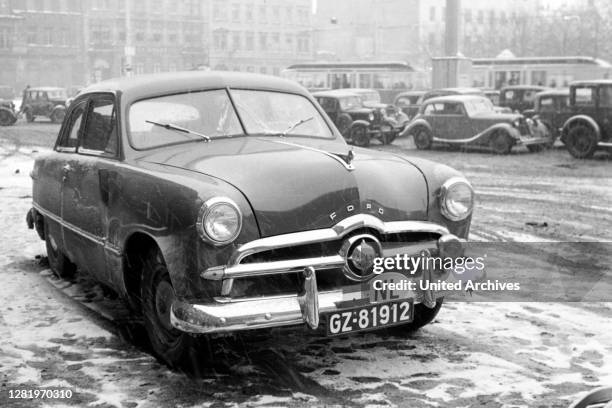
{"type": "Point", "coordinates": [236, 111]}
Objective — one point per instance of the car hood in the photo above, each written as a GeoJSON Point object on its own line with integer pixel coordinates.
{"type": "Point", "coordinates": [293, 185]}
{"type": "Point", "coordinates": [362, 111]}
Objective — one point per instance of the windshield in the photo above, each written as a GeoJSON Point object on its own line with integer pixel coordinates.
{"type": "Point", "coordinates": [477, 106]}
{"type": "Point", "coordinates": [211, 113]}
{"type": "Point", "coordinates": [350, 102]}
{"type": "Point", "coordinates": [57, 94]}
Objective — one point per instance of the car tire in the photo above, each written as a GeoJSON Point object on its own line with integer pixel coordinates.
{"type": "Point", "coordinates": [58, 116]}
{"type": "Point", "coordinates": [501, 143]}
{"type": "Point", "coordinates": [6, 119]}
{"type": "Point", "coordinates": [173, 347]}
{"type": "Point", "coordinates": [581, 141]}
{"type": "Point", "coordinates": [536, 148]}
{"type": "Point", "coordinates": [344, 124]}
{"type": "Point", "coordinates": [29, 116]}
{"type": "Point", "coordinates": [58, 261]}
{"type": "Point", "coordinates": [359, 136]}
{"type": "Point", "coordinates": [422, 137]}
{"type": "Point", "coordinates": [423, 315]}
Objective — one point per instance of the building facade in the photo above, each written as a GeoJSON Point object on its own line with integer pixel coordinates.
{"type": "Point", "coordinates": [261, 36]}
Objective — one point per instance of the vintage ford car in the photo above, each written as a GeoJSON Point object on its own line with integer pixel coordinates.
{"type": "Point", "coordinates": [589, 126]}
{"type": "Point", "coordinates": [45, 101]}
{"type": "Point", "coordinates": [218, 202]}
{"type": "Point", "coordinates": [358, 124]}
{"type": "Point", "coordinates": [519, 97]}
{"type": "Point", "coordinates": [8, 114]}
{"type": "Point", "coordinates": [461, 120]}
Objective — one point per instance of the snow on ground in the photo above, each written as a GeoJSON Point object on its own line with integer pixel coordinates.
{"type": "Point", "coordinates": [484, 354]}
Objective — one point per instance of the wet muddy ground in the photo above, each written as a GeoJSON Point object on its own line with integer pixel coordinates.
{"type": "Point", "coordinates": [58, 334]}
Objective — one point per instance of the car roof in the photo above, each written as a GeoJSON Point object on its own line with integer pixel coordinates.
{"type": "Point", "coordinates": [46, 88]}
{"type": "Point", "coordinates": [455, 98]}
{"type": "Point", "coordinates": [148, 85]}
{"type": "Point", "coordinates": [592, 82]}
{"type": "Point", "coordinates": [410, 93]}
{"type": "Point", "coordinates": [336, 93]}
{"type": "Point", "coordinates": [361, 90]}
{"type": "Point", "coordinates": [534, 87]}
{"type": "Point", "coordinates": [554, 92]}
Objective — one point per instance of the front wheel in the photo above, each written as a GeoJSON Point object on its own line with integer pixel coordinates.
{"type": "Point", "coordinates": [174, 347]}
{"type": "Point", "coordinates": [581, 141]}
{"type": "Point", "coordinates": [58, 116]}
{"type": "Point", "coordinates": [423, 315]}
{"type": "Point", "coordinates": [359, 136]}
{"type": "Point", "coordinates": [501, 143]}
{"type": "Point", "coordinates": [6, 118]}
{"type": "Point", "coordinates": [29, 116]}
{"type": "Point", "coordinates": [423, 138]}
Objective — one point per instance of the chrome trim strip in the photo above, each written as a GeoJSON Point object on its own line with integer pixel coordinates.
{"type": "Point", "coordinates": [271, 268]}
{"type": "Point", "coordinates": [605, 144]}
{"type": "Point", "coordinates": [348, 166]}
{"type": "Point", "coordinates": [339, 230]}
{"type": "Point", "coordinates": [75, 229]}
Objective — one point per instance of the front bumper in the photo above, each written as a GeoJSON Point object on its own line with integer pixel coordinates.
{"type": "Point", "coordinates": [227, 314]}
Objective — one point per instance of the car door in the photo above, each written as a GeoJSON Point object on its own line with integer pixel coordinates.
{"type": "Point", "coordinates": [604, 109]}
{"type": "Point", "coordinates": [48, 177]}
{"type": "Point", "coordinates": [452, 122]}
{"type": "Point", "coordinates": [84, 192]}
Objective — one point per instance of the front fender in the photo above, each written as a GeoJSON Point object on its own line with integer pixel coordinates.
{"type": "Point", "coordinates": [57, 108]}
{"type": "Point", "coordinates": [581, 118]}
{"type": "Point", "coordinates": [12, 115]}
{"type": "Point", "coordinates": [360, 122]}
{"type": "Point", "coordinates": [413, 124]}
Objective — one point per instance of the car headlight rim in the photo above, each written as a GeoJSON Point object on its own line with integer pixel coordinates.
{"type": "Point", "coordinates": [449, 198]}
{"type": "Point", "coordinates": [205, 224]}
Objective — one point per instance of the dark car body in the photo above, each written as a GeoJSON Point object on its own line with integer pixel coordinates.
{"type": "Point", "coordinates": [8, 114]}
{"type": "Point", "coordinates": [357, 123]}
{"type": "Point", "coordinates": [49, 102]}
{"type": "Point", "coordinates": [552, 108]}
{"type": "Point", "coordinates": [519, 97]}
{"type": "Point", "coordinates": [472, 120]}
{"type": "Point", "coordinates": [409, 102]}
{"type": "Point", "coordinates": [589, 126]}
{"type": "Point", "coordinates": [138, 205]}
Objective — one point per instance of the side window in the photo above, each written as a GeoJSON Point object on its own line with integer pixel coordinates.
{"type": "Point", "coordinates": [529, 96]}
{"type": "Point", "coordinates": [70, 136]}
{"type": "Point", "coordinates": [100, 133]}
{"type": "Point", "coordinates": [584, 96]}
{"type": "Point", "coordinates": [605, 96]}
{"type": "Point", "coordinates": [547, 104]}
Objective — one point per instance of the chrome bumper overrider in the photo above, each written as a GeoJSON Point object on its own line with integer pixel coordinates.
{"type": "Point", "coordinates": [226, 314]}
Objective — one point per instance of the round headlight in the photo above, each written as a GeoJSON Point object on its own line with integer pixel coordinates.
{"type": "Point", "coordinates": [456, 199]}
{"type": "Point", "coordinates": [371, 117]}
{"type": "Point", "coordinates": [219, 221]}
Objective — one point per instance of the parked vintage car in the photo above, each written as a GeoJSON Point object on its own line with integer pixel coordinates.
{"type": "Point", "coordinates": [493, 95]}
{"type": "Point", "coordinates": [590, 126]}
{"type": "Point", "coordinates": [519, 97]}
{"type": "Point", "coordinates": [552, 108]}
{"type": "Point", "coordinates": [370, 98]}
{"type": "Point", "coordinates": [45, 101]}
{"type": "Point", "coordinates": [357, 123]}
{"type": "Point", "coordinates": [216, 202]}
{"type": "Point", "coordinates": [409, 102]}
{"type": "Point", "coordinates": [8, 114]}
{"type": "Point", "coordinates": [461, 120]}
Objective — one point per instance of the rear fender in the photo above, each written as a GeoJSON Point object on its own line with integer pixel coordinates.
{"type": "Point", "coordinates": [584, 119]}
{"type": "Point", "coordinates": [414, 124]}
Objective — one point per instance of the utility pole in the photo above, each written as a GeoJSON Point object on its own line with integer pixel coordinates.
{"type": "Point", "coordinates": [451, 43]}
{"type": "Point", "coordinates": [129, 49]}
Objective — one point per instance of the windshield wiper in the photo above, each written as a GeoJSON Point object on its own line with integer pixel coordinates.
{"type": "Point", "coordinates": [295, 125]}
{"type": "Point", "coordinates": [171, 126]}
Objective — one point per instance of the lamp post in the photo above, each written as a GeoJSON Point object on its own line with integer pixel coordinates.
{"type": "Point", "coordinates": [566, 25]}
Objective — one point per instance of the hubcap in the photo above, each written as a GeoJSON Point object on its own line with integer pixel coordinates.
{"type": "Point", "coordinates": [164, 296]}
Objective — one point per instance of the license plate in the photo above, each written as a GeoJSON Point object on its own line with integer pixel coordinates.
{"type": "Point", "coordinates": [370, 317]}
